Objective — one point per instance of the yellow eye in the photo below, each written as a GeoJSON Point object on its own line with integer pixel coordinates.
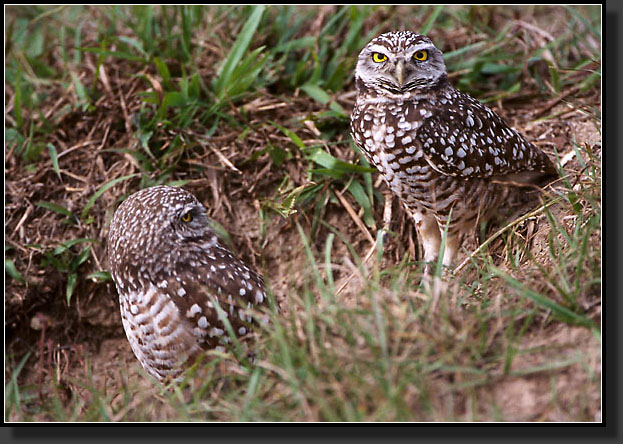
{"type": "Point", "coordinates": [420, 56]}
{"type": "Point", "coordinates": [378, 57]}
{"type": "Point", "coordinates": [187, 217]}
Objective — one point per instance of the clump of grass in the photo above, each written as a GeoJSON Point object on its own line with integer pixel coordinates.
{"type": "Point", "coordinates": [385, 353]}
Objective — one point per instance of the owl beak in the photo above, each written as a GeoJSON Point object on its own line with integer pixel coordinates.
{"type": "Point", "coordinates": [399, 72]}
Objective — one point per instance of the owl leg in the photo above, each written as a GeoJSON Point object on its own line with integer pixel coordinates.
{"type": "Point", "coordinates": [387, 211]}
{"type": "Point", "coordinates": [453, 241]}
{"type": "Point", "coordinates": [430, 239]}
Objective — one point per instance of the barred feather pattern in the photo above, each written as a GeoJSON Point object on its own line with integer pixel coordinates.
{"type": "Point", "coordinates": [176, 281]}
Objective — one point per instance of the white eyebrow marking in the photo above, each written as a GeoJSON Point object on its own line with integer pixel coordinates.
{"type": "Point", "coordinates": [379, 48]}
{"type": "Point", "coordinates": [423, 45]}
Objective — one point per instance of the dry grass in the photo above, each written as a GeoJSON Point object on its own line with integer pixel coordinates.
{"type": "Point", "coordinates": [102, 101]}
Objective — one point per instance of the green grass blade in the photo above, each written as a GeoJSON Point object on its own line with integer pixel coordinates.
{"type": "Point", "coordinates": [80, 90]}
{"type": "Point", "coordinates": [323, 158]}
{"type": "Point", "coordinates": [240, 47]}
{"type": "Point", "coordinates": [12, 397]}
{"type": "Point", "coordinates": [291, 134]}
{"type": "Point", "coordinates": [54, 157]}
{"type": "Point", "coordinates": [360, 195]}
{"type": "Point", "coordinates": [431, 19]}
{"type": "Point", "coordinates": [316, 93]}
{"type": "Point", "coordinates": [558, 310]}
{"type": "Point", "coordinates": [102, 190]}
{"type": "Point", "coordinates": [11, 270]}
{"type": "Point", "coordinates": [72, 279]}
{"type": "Point", "coordinates": [57, 209]}
{"type": "Point", "coordinates": [64, 246]}
{"type": "Point", "coordinates": [100, 276]}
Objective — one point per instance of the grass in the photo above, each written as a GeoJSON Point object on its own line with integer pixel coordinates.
{"type": "Point", "coordinates": [248, 107]}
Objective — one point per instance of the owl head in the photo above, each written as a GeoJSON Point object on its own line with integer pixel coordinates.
{"type": "Point", "coordinates": [399, 62]}
{"type": "Point", "coordinates": [158, 226]}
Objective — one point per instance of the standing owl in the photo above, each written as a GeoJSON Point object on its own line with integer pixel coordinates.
{"type": "Point", "coordinates": [171, 272]}
{"type": "Point", "coordinates": [443, 153]}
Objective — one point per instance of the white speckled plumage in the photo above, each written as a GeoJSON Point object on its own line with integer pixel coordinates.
{"type": "Point", "coordinates": [439, 150]}
{"type": "Point", "coordinates": [169, 274]}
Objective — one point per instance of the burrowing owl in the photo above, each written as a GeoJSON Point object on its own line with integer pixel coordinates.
{"type": "Point", "coordinates": [438, 149]}
{"type": "Point", "coordinates": [171, 272]}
